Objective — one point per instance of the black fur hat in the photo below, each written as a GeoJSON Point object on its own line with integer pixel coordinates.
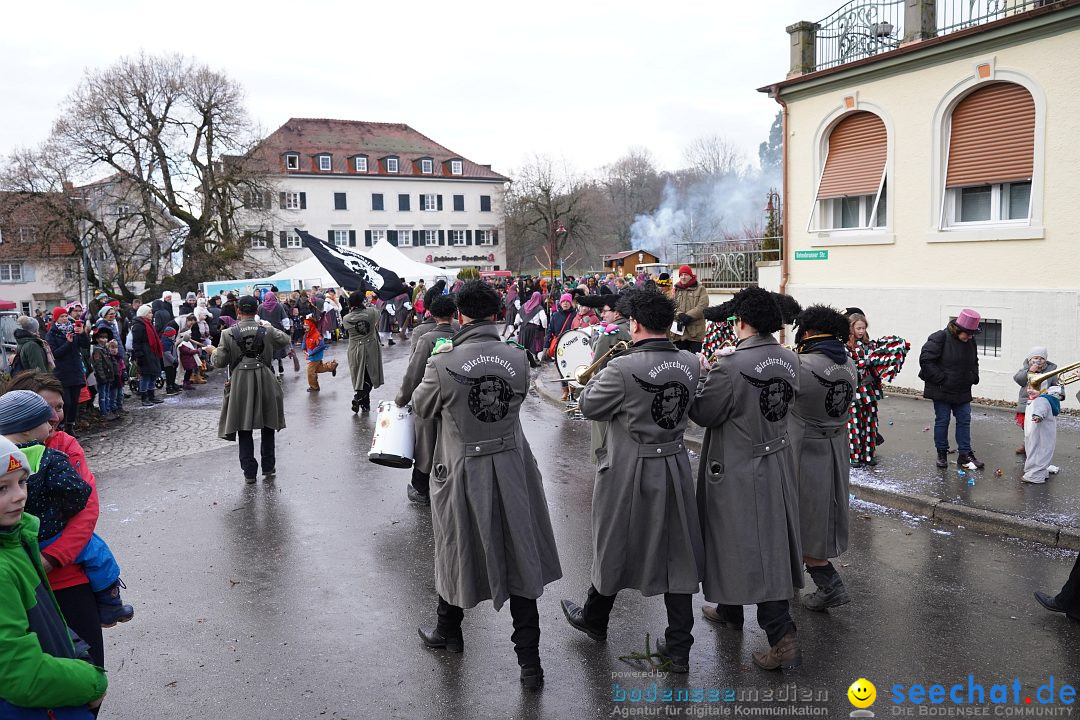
{"type": "Point", "coordinates": [478, 300]}
{"type": "Point", "coordinates": [356, 300]}
{"type": "Point", "coordinates": [651, 308]}
{"type": "Point", "coordinates": [596, 301]}
{"type": "Point", "coordinates": [605, 290]}
{"type": "Point", "coordinates": [432, 292]}
{"type": "Point", "coordinates": [721, 312]}
{"type": "Point", "coordinates": [759, 309]}
{"type": "Point", "coordinates": [822, 319]}
{"type": "Point", "coordinates": [789, 307]}
{"type": "Point", "coordinates": [442, 306]}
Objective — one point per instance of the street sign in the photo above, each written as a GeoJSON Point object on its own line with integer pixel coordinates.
{"type": "Point", "coordinates": [811, 254]}
{"type": "Point", "coordinates": [549, 273]}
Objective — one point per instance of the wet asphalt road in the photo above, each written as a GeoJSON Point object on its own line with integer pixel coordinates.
{"type": "Point", "coordinates": [301, 599]}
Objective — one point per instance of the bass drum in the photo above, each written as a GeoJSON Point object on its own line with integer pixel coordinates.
{"type": "Point", "coordinates": [392, 443]}
{"type": "Point", "coordinates": [573, 350]}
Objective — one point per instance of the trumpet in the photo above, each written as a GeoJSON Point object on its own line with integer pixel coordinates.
{"type": "Point", "coordinates": [584, 373]}
{"type": "Point", "coordinates": [1065, 375]}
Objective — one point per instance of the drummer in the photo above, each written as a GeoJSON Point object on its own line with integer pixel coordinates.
{"type": "Point", "coordinates": [614, 328]}
{"type": "Point", "coordinates": [442, 309]}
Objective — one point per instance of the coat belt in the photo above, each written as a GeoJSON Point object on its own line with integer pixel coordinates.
{"type": "Point", "coordinates": [823, 432]}
{"type": "Point", "coordinates": [661, 450]}
{"type": "Point", "coordinates": [477, 448]}
{"type": "Point", "coordinates": [770, 446]}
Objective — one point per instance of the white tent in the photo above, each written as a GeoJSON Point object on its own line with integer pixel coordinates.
{"type": "Point", "coordinates": [311, 271]}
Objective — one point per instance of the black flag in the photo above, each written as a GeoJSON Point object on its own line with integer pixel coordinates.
{"type": "Point", "coordinates": [354, 271]}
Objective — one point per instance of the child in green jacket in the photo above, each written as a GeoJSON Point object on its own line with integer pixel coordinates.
{"type": "Point", "coordinates": [40, 669]}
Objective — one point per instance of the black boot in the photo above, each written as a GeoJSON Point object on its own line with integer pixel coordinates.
{"type": "Point", "coordinates": [575, 615]}
{"type": "Point", "coordinates": [146, 400]}
{"type": "Point", "coordinates": [943, 458]}
{"type": "Point", "coordinates": [964, 460]}
{"type": "Point", "coordinates": [356, 403]}
{"type": "Point", "coordinates": [831, 591]}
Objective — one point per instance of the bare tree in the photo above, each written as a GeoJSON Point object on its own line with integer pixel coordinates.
{"type": "Point", "coordinates": [715, 156]}
{"type": "Point", "coordinates": [632, 187]}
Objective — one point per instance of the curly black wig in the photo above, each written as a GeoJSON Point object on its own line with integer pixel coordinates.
{"type": "Point", "coordinates": [478, 300]}
{"type": "Point", "coordinates": [821, 319]}
{"type": "Point", "coordinates": [442, 306]}
{"type": "Point", "coordinates": [758, 308]}
{"type": "Point", "coordinates": [651, 308]}
{"type": "Point", "coordinates": [434, 291]}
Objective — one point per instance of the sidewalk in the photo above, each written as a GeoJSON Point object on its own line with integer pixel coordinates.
{"type": "Point", "coordinates": [906, 478]}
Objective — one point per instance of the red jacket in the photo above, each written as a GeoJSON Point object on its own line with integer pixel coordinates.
{"type": "Point", "coordinates": [76, 533]}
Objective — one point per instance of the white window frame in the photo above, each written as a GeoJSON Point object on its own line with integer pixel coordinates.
{"type": "Point", "coordinates": [999, 194]}
{"type": "Point", "coordinates": [341, 238]}
{"type": "Point", "coordinates": [484, 237]}
{"type": "Point", "coordinates": [427, 166]}
{"type": "Point", "coordinates": [392, 165]}
{"type": "Point", "coordinates": [292, 240]}
{"type": "Point", "coordinates": [430, 202]}
{"type": "Point", "coordinates": [122, 210]}
{"type": "Point", "coordinates": [457, 238]}
{"type": "Point", "coordinates": [455, 167]}
{"type": "Point", "coordinates": [377, 235]}
{"type": "Point", "coordinates": [28, 234]}
{"type": "Point", "coordinates": [431, 238]}
{"type": "Point", "coordinates": [404, 237]}
{"type": "Point", "coordinates": [360, 164]}
{"type": "Point", "coordinates": [292, 161]}
{"type": "Point", "coordinates": [869, 209]}
{"type": "Point", "coordinates": [257, 240]}
{"type": "Point", "coordinates": [11, 272]}
{"type": "Point", "coordinates": [326, 163]}
{"type": "Point", "coordinates": [292, 201]}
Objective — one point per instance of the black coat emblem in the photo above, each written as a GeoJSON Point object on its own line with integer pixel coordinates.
{"type": "Point", "coordinates": [363, 327]}
{"type": "Point", "coordinates": [774, 397]}
{"type": "Point", "coordinates": [489, 396]}
{"type": "Point", "coordinates": [669, 403]}
{"type": "Point", "coordinates": [838, 399]}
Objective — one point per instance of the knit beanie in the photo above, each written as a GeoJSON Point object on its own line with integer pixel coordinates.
{"type": "Point", "coordinates": [11, 457]}
{"type": "Point", "coordinates": [143, 311]}
{"type": "Point", "coordinates": [22, 410]}
{"type": "Point", "coordinates": [1039, 350]}
{"type": "Point", "coordinates": [57, 312]}
{"type": "Point", "coordinates": [566, 297]}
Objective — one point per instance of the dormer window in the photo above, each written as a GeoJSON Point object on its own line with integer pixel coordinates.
{"type": "Point", "coordinates": [324, 163]}
{"type": "Point", "coordinates": [360, 164]}
{"type": "Point", "coordinates": [391, 165]}
{"type": "Point", "coordinates": [455, 167]}
{"type": "Point", "coordinates": [292, 161]}
{"type": "Point", "coordinates": [426, 166]}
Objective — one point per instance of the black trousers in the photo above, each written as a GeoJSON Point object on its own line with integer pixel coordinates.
{"type": "Point", "coordinates": [526, 636]}
{"type": "Point", "coordinates": [364, 394]}
{"type": "Point", "coordinates": [80, 611]}
{"type": "Point", "coordinates": [421, 481]}
{"type": "Point", "coordinates": [71, 406]}
{"type": "Point", "coordinates": [774, 617]}
{"type": "Point", "coordinates": [694, 347]}
{"type": "Point", "coordinates": [680, 613]}
{"type": "Point", "coordinates": [170, 377]}
{"type": "Point", "coordinates": [1069, 597]}
{"type": "Point", "coordinates": [247, 452]}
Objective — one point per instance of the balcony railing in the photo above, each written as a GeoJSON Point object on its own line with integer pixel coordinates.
{"type": "Point", "coordinates": [728, 264]}
{"type": "Point", "coordinates": [864, 28]}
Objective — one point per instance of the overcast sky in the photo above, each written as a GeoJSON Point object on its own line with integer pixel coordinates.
{"type": "Point", "coordinates": [493, 81]}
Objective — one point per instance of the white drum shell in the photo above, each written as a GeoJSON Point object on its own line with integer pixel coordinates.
{"type": "Point", "coordinates": [392, 443]}
{"type": "Point", "coordinates": [573, 350]}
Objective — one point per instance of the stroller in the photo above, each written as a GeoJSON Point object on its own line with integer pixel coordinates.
{"type": "Point", "coordinates": [133, 375]}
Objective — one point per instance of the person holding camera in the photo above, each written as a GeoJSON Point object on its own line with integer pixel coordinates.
{"type": "Point", "coordinates": [691, 299]}
{"type": "Point", "coordinates": [68, 338]}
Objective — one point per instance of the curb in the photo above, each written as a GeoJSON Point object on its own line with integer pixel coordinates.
{"type": "Point", "coordinates": [989, 522]}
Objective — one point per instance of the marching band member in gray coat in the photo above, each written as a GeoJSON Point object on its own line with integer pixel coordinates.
{"type": "Point", "coordinates": [489, 515]}
{"type": "Point", "coordinates": [747, 497]}
{"type": "Point", "coordinates": [606, 305]}
{"type": "Point", "coordinates": [365, 352]}
{"type": "Point", "coordinates": [646, 534]}
{"type": "Point", "coordinates": [427, 323]}
{"type": "Point", "coordinates": [425, 431]}
{"type": "Point", "coordinates": [818, 428]}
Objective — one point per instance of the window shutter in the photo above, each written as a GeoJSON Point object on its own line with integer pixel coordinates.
{"type": "Point", "coordinates": [856, 160]}
{"type": "Point", "coordinates": [420, 199]}
{"type": "Point", "coordinates": [352, 238]}
{"type": "Point", "coordinates": [282, 198]}
{"type": "Point", "coordinates": [269, 238]}
{"type": "Point", "coordinates": [339, 201]}
{"type": "Point", "coordinates": [415, 237]}
{"type": "Point", "coordinates": [367, 238]}
{"type": "Point", "coordinates": [268, 199]}
{"type": "Point", "coordinates": [391, 237]}
{"type": "Point", "coordinates": [468, 237]}
{"type": "Point", "coordinates": [459, 203]}
{"type": "Point", "coordinates": [438, 202]}
{"type": "Point", "coordinates": [485, 203]}
{"type": "Point", "coordinates": [403, 202]}
{"type": "Point", "coordinates": [494, 237]}
{"type": "Point", "coordinates": [247, 199]}
{"type": "Point", "coordinates": [330, 236]}
{"type": "Point", "coordinates": [303, 201]}
{"type": "Point", "coordinates": [282, 239]}
{"type": "Point", "coordinates": [442, 237]}
{"type": "Point", "coordinates": [992, 138]}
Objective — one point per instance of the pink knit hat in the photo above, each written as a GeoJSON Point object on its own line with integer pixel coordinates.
{"type": "Point", "coordinates": [565, 297]}
{"type": "Point", "coordinates": [968, 320]}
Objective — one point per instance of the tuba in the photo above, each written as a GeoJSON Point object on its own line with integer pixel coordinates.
{"type": "Point", "coordinates": [1065, 375]}
{"type": "Point", "coordinates": [584, 373]}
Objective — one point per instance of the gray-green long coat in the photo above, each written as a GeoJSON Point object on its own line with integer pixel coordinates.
{"type": "Point", "coordinates": [747, 498]}
{"type": "Point", "coordinates": [425, 430]}
{"type": "Point", "coordinates": [489, 515]}
{"type": "Point", "coordinates": [601, 344]}
{"type": "Point", "coordinates": [819, 441]}
{"type": "Point", "coordinates": [365, 352]}
{"type": "Point", "coordinates": [646, 533]}
{"type": "Point", "coordinates": [253, 397]}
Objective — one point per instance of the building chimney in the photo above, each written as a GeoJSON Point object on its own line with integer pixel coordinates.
{"type": "Point", "coordinates": [803, 47]}
{"type": "Point", "coordinates": [69, 187]}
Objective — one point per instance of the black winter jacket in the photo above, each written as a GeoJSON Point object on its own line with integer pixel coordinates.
{"type": "Point", "coordinates": [949, 367]}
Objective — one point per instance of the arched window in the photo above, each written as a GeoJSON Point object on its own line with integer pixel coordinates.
{"type": "Point", "coordinates": [991, 156]}
{"type": "Point", "coordinates": [851, 188]}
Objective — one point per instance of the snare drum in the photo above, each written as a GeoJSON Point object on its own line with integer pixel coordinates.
{"type": "Point", "coordinates": [573, 350]}
{"type": "Point", "coordinates": [392, 444]}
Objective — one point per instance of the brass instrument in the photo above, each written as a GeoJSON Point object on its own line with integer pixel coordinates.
{"type": "Point", "coordinates": [584, 373]}
{"type": "Point", "coordinates": [1065, 375]}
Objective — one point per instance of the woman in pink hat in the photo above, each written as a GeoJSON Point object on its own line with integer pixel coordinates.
{"type": "Point", "coordinates": [949, 365]}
